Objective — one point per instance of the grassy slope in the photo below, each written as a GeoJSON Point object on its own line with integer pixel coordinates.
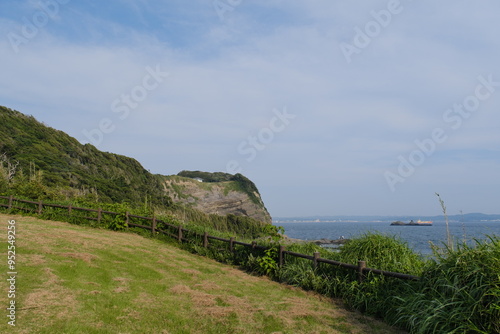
{"type": "Point", "coordinates": [73, 279]}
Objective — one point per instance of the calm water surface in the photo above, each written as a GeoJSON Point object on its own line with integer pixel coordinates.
{"type": "Point", "coordinates": [417, 237]}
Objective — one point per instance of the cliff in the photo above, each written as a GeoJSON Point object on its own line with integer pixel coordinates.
{"type": "Point", "coordinates": [39, 162]}
{"type": "Point", "coordinates": [222, 197]}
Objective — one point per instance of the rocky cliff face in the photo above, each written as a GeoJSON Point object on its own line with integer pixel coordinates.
{"type": "Point", "coordinates": [71, 170]}
{"type": "Point", "coordinates": [216, 197]}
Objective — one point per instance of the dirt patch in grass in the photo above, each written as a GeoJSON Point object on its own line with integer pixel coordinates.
{"type": "Point", "coordinates": [148, 299]}
{"type": "Point", "coordinates": [193, 272]}
{"type": "Point", "coordinates": [298, 307]}
{"type": "Point", "coordinates": [241, 274]}
{"type": "Point", "coordinates": [122, 280]}
{"type": "Point", "coordinates": [123, 287]}
{"type": "Point", "coordinates": [215, 305]}
{"type": "Point", "coordinates": [51, 299]}
{"type": "Point", "coordinates": [208, 286]}
{"type": "Point", "coordinates": [32, 259]}
{"type": "Point", "coordinates": [180, 289]}
{"type": "Point", "coordinates": [80, 256]}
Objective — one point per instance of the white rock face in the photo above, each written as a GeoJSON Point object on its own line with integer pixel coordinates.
{"type": "Point", "coordinates": [216, 197]}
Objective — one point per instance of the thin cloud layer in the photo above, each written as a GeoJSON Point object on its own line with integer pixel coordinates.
{"type": "Point", "coordinates": [196, 86]}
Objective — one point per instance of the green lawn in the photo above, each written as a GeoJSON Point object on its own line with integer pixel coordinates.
{"type": "Point", "coordinates": [74, 279]}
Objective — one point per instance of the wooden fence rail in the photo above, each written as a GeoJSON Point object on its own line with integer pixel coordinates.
{"type": "Point", "coordinates": [180, 232]}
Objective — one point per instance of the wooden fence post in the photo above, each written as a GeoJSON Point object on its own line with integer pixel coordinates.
{"type": "Point", "coordinates": [231, 244]}
{"type": "Point", "coordinates": [315, 260]}
{"type": "Point", "coordinates": [153, 226]}
{"type": "Point", "coordinates": [70, 207]}
{"type": "Point", "coordinates": [254, 243]}
{"type": "Point", "coordinates": [40, 207]}
{"type": "Point", "coordinates": [179, 238]}
{"type": "Point", "coordinates": [11, 199]}
{"type": "Point", "coordinates": [205, 240]}
{"type": "Point", "coordinates": [99, 216]}
{"type": "Point", "coordinates": [127, 219]}
{"type": "Point", "coordinates": [280, 255]}
{"type": "Point", "coordinates": [361, 275]}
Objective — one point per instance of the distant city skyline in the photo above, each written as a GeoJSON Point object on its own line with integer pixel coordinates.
{"type": "Point", "coordinates": [330, 108]}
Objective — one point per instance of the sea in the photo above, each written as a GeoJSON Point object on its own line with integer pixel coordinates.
{"type": "Point", "coordinates": [419, 238]}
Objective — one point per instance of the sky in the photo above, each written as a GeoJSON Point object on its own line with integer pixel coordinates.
{"type": "Point", "coordinates": [329, 107]}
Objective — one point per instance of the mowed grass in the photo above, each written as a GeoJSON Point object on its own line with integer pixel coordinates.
{"type": "Point", "coordinates": [74, 279]}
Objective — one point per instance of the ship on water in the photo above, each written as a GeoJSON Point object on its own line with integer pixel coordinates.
{"type": "Point", "coordinates": [412, 223]}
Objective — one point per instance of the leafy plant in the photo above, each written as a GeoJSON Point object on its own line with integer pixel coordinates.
{"type": "Point", "coordinates": [118, 222]}
{"type": "Point", "coordinates": [267, 264]}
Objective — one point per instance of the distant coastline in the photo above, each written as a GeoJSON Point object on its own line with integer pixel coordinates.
{"type": "Point", "coordinates": [387, 219]}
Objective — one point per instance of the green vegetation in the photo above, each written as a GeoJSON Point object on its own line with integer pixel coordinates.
{"type": "Point", "coordinates": [227, 226]}
{"type": "Point", "coordinates": [459, 290]}
{"type": "Point", "coordinates": [241, 227]}
{"type": "Point", "coordinates": [207, 176]}
{"type": "Point", "coordinates": [73, 279]}
{"type": "Point", "coordinates": [374, 293]}
{"type": "Point", "coordinates": [382, 252]}
{"type": "Point", "coordinates": [53, 165]}
{"type": "Point", "coordinates": [41, 163]}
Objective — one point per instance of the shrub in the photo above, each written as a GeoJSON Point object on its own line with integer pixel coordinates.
{"type": "Point", "coordinates": [459, 292]}
{"type": "Point", "coordinates": [376, 294]}
{"type": "Point", "coordinates": [382, 252]}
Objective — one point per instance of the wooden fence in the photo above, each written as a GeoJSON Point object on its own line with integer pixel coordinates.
{"type": "Point", "coordinates": [180, 232]}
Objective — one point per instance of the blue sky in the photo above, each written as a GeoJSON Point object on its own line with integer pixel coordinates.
{"type": "Point", "coordinates": [330, 107]}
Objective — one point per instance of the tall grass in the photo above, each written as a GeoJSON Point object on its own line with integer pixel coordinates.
{"type": "Point", "coordinates": [384, 252]}
{"type": "Point", "coordinates": [459, 292]}
{"type": "Point", "coordinates": [375, 294]}
{"type": "Point", "coordinates": [448, 235]}
{"type": "Point", "coordinates": [459, 289]}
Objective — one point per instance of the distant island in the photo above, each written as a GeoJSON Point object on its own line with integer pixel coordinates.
{"type": "Point", "coordinates": [412, 223]}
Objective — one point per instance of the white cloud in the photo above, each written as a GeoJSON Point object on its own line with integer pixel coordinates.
{"type": "Point", "coordinates": [353, 120]}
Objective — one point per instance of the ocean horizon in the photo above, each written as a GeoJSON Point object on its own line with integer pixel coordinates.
{"type": "Point", "coordinates": [418, 238]}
